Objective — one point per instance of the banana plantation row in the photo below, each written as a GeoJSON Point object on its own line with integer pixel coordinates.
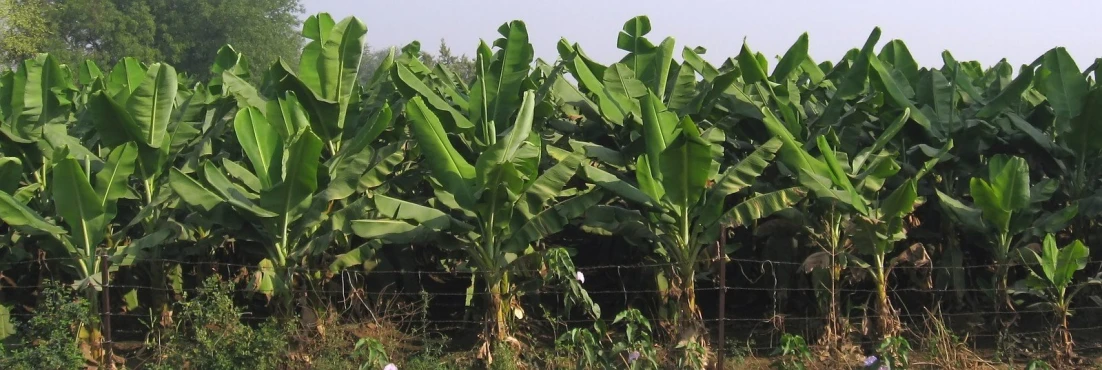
{"type": "Point", "coordinates": [852, 168]}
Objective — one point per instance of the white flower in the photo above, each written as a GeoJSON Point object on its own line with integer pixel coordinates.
{"type": "Point", "coordinates": [390, 367]}
{"type": "Point", "coordinates": [580, 277]}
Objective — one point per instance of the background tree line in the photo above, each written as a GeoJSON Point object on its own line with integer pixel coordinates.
{"type": "Point", "coordinates": [184, 33]}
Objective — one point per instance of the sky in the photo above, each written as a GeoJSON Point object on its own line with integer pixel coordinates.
{"type": "Point", "coordinates": [986, 31]}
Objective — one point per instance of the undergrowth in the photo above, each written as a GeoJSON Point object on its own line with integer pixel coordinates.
{"type": "Point", "coordinates": [48, 340]}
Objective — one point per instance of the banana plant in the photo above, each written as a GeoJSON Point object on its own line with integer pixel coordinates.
{"type": "Point", "coordinates": [511, 203]}
{"type": "Point", "coordinates": [86, 200]}
{"type": "Point", "coordinates": [36, 111]}
{"type": "Point", "coordinates": [325, 84]}
{"type": "Point", "coordinates": [878, 222]}
{"type": "Point", "coordinates": [147, 107]}
{"type": "Point", "coordinates": [294, 126]}
{"type": "Point", "coordinates": [682, 199]}
{"type": "Point", "coordinates": [1051, 278]}
{"type": "Point", "coordinates": [1007, 212]}
{"type": "Point", "coordinates": [280, 192]}
{"type": "Point", "coordinates": [88, 205]}
{"type": "Point", "coordinates": [38, 94]}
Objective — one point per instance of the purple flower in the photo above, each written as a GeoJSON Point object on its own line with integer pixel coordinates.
{"type": "Point", "coordinates": [869, 361]}
{"type": "Point", "coordinates": [633, 356]}
{"type": "Point", "coordinates": [390, 367]}
{"type": "Point", "coordinates": [580, 277]}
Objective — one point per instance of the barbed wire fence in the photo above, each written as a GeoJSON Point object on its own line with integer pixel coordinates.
{"type": "Point", "coordinates": [349, 288]}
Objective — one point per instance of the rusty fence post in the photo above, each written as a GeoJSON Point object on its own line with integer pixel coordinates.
{"type": "Point", "coordinates": [105, 312]}
{"type": "Point", "coordinates": [722, 262]}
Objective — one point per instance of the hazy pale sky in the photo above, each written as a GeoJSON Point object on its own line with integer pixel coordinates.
{"type": "Point", "coordinates": [972, 30]}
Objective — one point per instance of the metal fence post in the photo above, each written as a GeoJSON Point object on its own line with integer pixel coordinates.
{"type": "Point", "coordinates": [105, 312]}
{"type": "Point", "coordinates": [722, 262]}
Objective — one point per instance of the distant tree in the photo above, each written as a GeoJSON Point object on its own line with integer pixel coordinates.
{"type": "Point", "coordinates": [75, 30]}
{"type": "Point", "coordinates": [184, 33]}
{"type": "Point", "coordinates": [371, 60]}
{"type": "Point", "coordinates": [32, 29]}
{"type": "Point", "coordinates": [190, 32]}
{"type": "Point", "coordinates": [462, 65]}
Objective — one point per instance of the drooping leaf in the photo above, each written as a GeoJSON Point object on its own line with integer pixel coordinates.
{"type": "Point", "coordinates": [191, 191]}
{"type": "Point", "coordinates": [1009, 96]}
{"type": "Point", "coordinates": [901, 201]}
{"type": "Point", "coordinates": [229, 192]}
{"type": "Point", "coordinates": [763, 205]}
{"type": "Point", "coordinates": [616, 185]}
{"type": "Point", "coordinates": [960, 213]}
{"type": "Point", "coordinates": [552, 219]}
{"type": "Point", "coordinates": [17, 214]}
{"type": "Point", "coordinates": [1084, 137]}
{"type": "Point", "coordinates": [428, 95]}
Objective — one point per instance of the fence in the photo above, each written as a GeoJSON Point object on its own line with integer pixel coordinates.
{"type": "Point", "coordinates": [767, 323]}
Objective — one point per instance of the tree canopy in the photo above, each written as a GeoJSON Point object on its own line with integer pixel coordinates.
{"type": "Point", "coordinates": [185, 33]}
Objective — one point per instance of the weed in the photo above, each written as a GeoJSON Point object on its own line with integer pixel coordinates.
{"type": "Point", "coordinates": [1038, 365]}
{"type": "Point", "coordinates": [894, 353]}
{"type": "Point", "coordinates": [373, 352]}
{"type": "Point", "coordinates": [210, 335]}
{"type": "Point", "coordinates": [794, 353]}
{"type": "Point", "coordinates": [599, 348]}
{"type": "Point", "coordinates": [50, 336]}
{"type": "Point", "coordinates": [945, 348]}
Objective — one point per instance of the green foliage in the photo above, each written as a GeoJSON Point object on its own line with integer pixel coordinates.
{"type": "Point", "coordinates": [894, 353]}
{"type": "Point", "coordinates": [102, 31]}
{"type": "Point", "coordinates": [49, 338]}
{"type": "Point", "coordinates": [189, 34]}
{"type": "Point", "coordinates": [627, 343]}
{"type": "Point", "coordinates": [505, 358]}
{"type": "Point", "coordinates": [793, 352]}
{"type": "Point", "coordinates": [1037, 364]}
{"type": "Point", "coordinates": [210, 334]}
{"type": "Point", "coordinates": [1052, 271]}
{"type": "Point", "coordinates": [184, 34]}
{"type": "Point", "coordinates": [374, 353]}
{"type": "Point", "coordinates": [33, 29]}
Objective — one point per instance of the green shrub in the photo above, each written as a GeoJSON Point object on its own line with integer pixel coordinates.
{"type": "Point", "coordinates": [49, 339]}
{"type": "Point", "coordinates": [631, 346]}
{"type": "Point", "coordinates": [794, 353]}
{"type": "Point", "coordinates": [210, 335]}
